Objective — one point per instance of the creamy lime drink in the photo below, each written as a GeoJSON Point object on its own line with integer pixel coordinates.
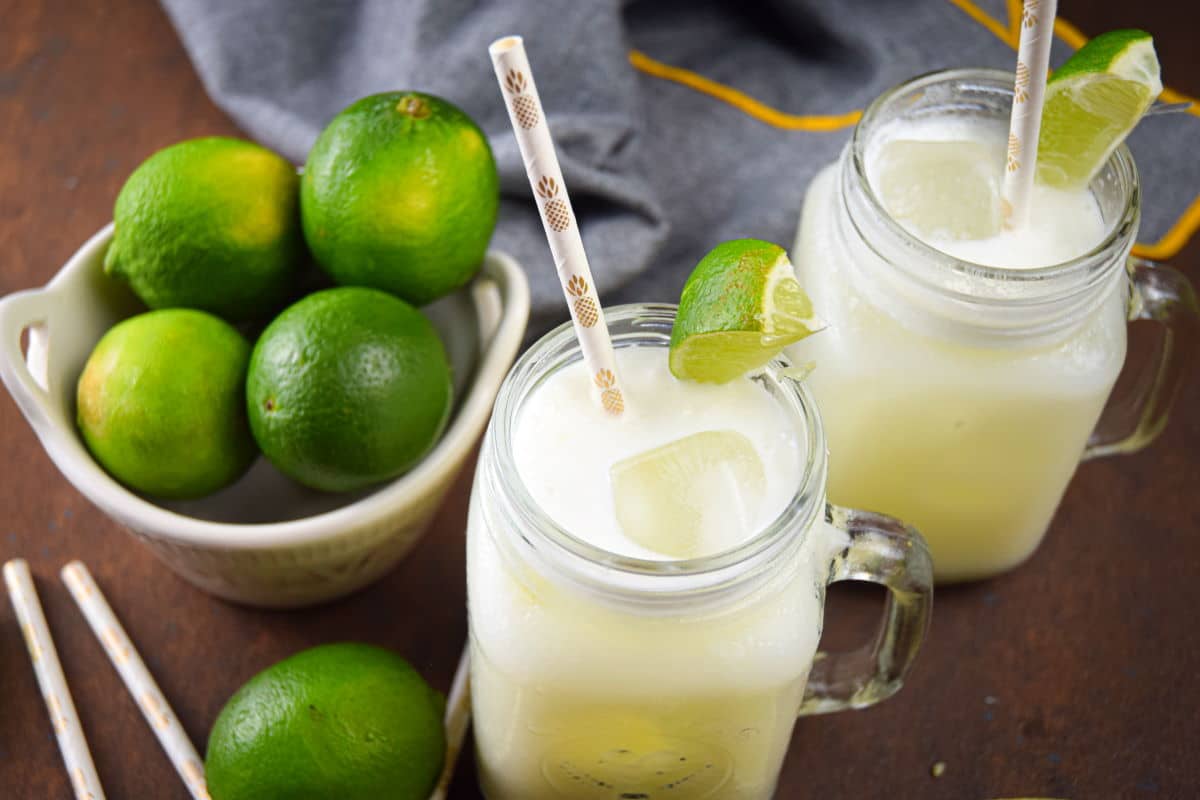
{"type": "Point", "coordinates": [967, 359]}
{"type": "Point", "coordinates": [603, 695]}
{"type": "Point", "coordinates": [646, 589]}
{"type": "Point", "coordinates": [971, 438]}
{"type": "Point", "coordinates": [647, 553]}
{"type": "Point", "coordinates": [717, 462]}
{"type": "Point", "coordinates": [940, 178]}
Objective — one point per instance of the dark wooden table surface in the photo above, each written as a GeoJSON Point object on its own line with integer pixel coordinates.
{"type": "Point", "coordinates": [1074, 677]}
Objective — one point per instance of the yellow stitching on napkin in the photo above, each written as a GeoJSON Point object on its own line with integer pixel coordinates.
{"type": "Point", "coordinates": [1169, 245]}
{"type": "Point", "coordinates": [1071, 36]}
{"type": "Point", "coordinates": [741, 101]}
{"type": "Point", "coordinates": [1174, 239]}
{"type": "Point", "coordinates": [1005, 33]}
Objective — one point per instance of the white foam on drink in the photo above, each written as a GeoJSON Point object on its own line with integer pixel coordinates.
{"type": "Point", "coordinates": [1063, 225]}
{"type": "Point", "coordinates": [565, 446]}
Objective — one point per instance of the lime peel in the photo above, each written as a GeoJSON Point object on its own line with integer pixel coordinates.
{"type": "Point", "coordinates": [739, 308]}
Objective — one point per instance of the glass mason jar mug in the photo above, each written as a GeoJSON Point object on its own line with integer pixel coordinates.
{"type": "Point", "coordinates": [596, 675]}
{"type": "Point", "coordinates": [961, 397]}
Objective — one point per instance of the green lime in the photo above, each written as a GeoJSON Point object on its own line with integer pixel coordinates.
{"type": "Point", "coordinates": [211, 224]}
{"type": "Point", "coordinates": [348, 387]}
{"type": "Point", "coordinates": [344, 721]}
{"type": "Point", "coordinates": [161, 403]}
{"type": "Point", "coordinates": [400, 193]}
{"type": "Point", "coordinates": [739, 308]}
{"type": "Point", "coordinates": [1093, 101]}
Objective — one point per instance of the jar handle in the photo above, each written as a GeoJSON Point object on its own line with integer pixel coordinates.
{"type": "Point", "coordinates": [1133, 420]}
{"type": "Point", "coordinates": [882, 550]}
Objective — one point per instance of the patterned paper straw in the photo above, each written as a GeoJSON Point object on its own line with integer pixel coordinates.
{"type": "Point", "coordinates": [545, 178]}
{"type": "Point", "coordinates": [137, 678]}
{"type": "Point", "coordinates": [458, 716]}
{"type": "Point", "coordinates": [52, 682]}
{"type": "Point", "coordinates": [1029, 90]}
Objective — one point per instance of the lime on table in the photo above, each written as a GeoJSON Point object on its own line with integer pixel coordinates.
{"type": "Point", "coordinates": [161, 403]}
{"type": "Point", "coordinates": [339, 721]}
{"type": "Point", "coordinates": [1093, 101]}
{"type": "Point", "coordinates": [348, 387]}
{"type": "Point", "coordinates": [212, 224]}
{"type": "Point", "coordinates": [739, 308]}
{"type": "Point", "coordinates": [400, 193]}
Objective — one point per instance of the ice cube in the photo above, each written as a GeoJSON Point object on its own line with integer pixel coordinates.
{"type": "Point", "coordinates": [691, 497]}
{"type": "Point", "coordinates": [945, 190]}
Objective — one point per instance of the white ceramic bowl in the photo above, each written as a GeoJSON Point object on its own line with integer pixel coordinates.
{"type": "Point", "coordinates": [265, 540]}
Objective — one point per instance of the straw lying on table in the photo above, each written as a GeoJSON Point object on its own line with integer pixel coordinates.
{"type": "Point", "coordinates": [136, 677]}
{"type": "Point", "coordinates": [1029, 92]}
{"type": "Point", "coordinates": [144, 689]}
{"type": "Point", "coordinates": [558, 217]}
{"type": "Point", "coordinates": [162, 720]}
{"type": "Point", "coordinates": [52, 682]}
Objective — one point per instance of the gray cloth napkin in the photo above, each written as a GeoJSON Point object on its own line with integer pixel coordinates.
{"type": "Point", "coordinates": [659, 171]}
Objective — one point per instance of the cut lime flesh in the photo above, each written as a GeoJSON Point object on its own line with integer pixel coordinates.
{"type": "Point", "coordinates": [1092, 104]}
{"type": "Point", "coordinates": [721, 357]}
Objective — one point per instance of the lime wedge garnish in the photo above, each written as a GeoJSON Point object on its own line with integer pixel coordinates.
{"type": "Point", "coordinates": [739, 308]}
{"type": "Point", "coordinates": [690, 497]}
{"type": "Point", "coordinates": [1093, 101]}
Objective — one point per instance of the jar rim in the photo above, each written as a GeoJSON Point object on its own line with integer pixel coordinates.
{"type": "Point", "coordinates": [559, 348]}
{"type": "Point", "coordinates": [1082, 267]}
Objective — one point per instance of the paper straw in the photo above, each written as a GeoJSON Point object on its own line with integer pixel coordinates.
{"type": "Point", "coordinates": [137, 678]}
{"type": "Point", "coordinates": [52, 682]}
{"type": "Point", "coordinates": [1029, 91]}
{"type": "Point", "coordinates": [458, 717]}
{"type": "Point", "coordinates": [545, 178]}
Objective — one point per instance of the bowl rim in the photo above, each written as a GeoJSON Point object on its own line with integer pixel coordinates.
{"type": "Point", "coordinates": [498, 349]}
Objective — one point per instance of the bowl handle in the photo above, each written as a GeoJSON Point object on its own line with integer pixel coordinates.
{"type": "Point", "coordinates": [18, 311]}
{"type": "Point", "coordinates": [501, 329]}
